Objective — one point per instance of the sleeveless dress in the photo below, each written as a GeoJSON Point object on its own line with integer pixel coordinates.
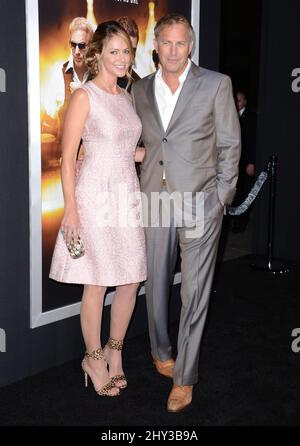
{"type": "Point", "coordinates": [108, 198]}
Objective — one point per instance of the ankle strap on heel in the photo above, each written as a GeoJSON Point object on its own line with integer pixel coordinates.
{"type": "Point", "coordinates": [96, 354]}
{"type": "Point", "coordinates": [115, 344]}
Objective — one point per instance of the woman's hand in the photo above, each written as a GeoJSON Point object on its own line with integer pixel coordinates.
{"type": "Point", "coordinates": [70, 225]}
{"type": "Point", "coordinates": [139, 154]}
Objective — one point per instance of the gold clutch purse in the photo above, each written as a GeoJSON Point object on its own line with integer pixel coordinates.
{"type": "Point", "coordinates": [76, 248]}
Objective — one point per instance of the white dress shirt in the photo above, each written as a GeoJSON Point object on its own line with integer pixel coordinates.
{"type": "Point", "coordinates": [241, 111]}
{"type": "Point", "coordinates": [165, 99]}
{"type": "Point", "coordinates": [76, 82]}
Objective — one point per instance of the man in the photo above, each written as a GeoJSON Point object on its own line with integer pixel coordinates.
{"type": "Point", "coordinates": [155, 59]}
{"type": "Point", "coordinates": [248, 132]}
{"type": "Point", "coordinates": [132, 30]}
{"type": "Point", "coordinates": [192, 140]}
{"type": "Point", "coordinates": [75, 72]}
{"type": "Point", "coordinates": [247, 162]}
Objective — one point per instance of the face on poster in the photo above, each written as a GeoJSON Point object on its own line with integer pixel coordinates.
{"type": "Point", "coordinates": [53, 19]}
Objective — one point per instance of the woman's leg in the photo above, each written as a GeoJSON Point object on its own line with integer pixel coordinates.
{"type": "Point", "coordinates": [121, 312]}
{"type": "Point", "coordinates": [91, 317]}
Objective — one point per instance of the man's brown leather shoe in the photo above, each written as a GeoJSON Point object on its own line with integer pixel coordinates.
{"type": "Point", "coordinates": [164, 367]}
{"type": "Point", "coordinates": [179, 398]}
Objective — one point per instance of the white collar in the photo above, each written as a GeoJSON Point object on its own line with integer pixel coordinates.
{"type": "Point", "coordinates": [70, 65]}
{"type": "Point", "coordinates": [182, 77]}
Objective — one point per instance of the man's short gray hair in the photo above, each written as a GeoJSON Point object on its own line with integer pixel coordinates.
{"type": "Point", "coordinates": [173, 19]}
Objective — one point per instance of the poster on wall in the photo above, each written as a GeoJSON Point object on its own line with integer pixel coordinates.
{"type": "Point", "coordinates": [48, 53]}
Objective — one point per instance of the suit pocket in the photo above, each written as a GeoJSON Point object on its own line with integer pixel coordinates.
{"type": "Point", "coordinates": [212, 203]}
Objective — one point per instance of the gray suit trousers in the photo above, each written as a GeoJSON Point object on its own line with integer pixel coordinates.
{"type": "Point", "coordinates": [198, 257]}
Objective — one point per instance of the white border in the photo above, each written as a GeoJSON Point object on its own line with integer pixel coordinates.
{"type": "Point", "coordinates": [195, 21]}
{"type": "Point", "coordinates": [37, 317]}
{"type": "Point", "coordinates": [34, 140]}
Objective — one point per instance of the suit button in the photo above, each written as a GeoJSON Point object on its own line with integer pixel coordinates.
{"type": "Point", "coordinates": [161, 162]}
{"type": "Point", "coordinates": [165, 140]}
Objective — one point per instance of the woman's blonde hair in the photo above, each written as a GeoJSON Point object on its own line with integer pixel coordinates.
{"type": "Point", "coordinates": [104, 32]}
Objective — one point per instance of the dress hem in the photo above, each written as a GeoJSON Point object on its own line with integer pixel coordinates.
{"type": "Point", "coordinates": [99, 284]}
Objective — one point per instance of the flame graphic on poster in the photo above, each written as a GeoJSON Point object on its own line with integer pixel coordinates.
{"type": "Point", "coordinates": [144, 63]}
{"type": "Point", "coordinates": [90, 14]}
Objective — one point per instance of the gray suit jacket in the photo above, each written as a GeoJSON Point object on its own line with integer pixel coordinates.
{"type": "Point", "coordinates": [200, 149]}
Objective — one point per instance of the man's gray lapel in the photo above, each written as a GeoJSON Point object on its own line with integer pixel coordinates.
{"type": "Point", "coordinates": [152, 102]}
{"type": "Point", "coordinates": [186, 95]}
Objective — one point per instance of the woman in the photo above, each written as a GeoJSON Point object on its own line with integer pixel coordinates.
{"type": "Point", "coordinates": [96, 211]}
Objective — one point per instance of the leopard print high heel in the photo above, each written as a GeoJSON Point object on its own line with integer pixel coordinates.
{"type": "Point", "coordinates": [114, 344]}
{"type": "Point", "coordinates": [104, 390]}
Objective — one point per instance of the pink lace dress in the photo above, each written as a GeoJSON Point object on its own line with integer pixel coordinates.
{"type": "Point", "coordinates": [108, 198]}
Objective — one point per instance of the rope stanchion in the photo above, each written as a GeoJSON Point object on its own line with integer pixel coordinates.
{"type": "Point", "coordinates": [271, 265]}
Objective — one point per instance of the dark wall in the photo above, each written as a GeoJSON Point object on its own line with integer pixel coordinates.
{"type": "Point", "coordinates": [209, 40]}
{"type": "Point", "coordinates": [278, 124]}
{"type": "Point", "coordinates": [14, 252]}
{"type": "Point", "coordinates": [240, 45]}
